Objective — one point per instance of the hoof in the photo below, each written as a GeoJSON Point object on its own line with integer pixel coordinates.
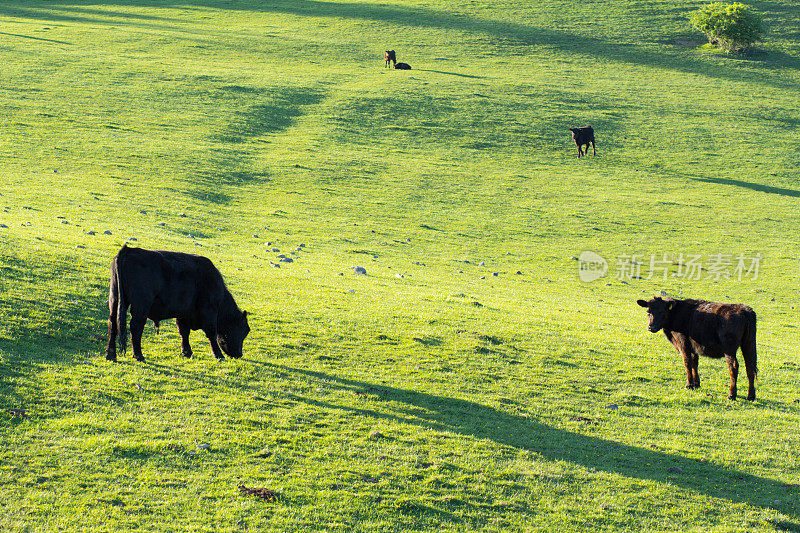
{"type": "Point", "coordinates": [139, 358]}
{"type": "Point", "coordinates": [751, 397]}
{"type": "Point", "coordinates": [187, 354]}
{"type": "Point", "coordinates": [111, 357]}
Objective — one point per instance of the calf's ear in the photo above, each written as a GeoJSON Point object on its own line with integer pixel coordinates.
{"type": "Point", "coordinates": [641, 303]}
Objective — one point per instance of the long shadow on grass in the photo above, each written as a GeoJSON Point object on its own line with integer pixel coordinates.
{"type": "Point", "coordinates": [512, 33]}
{"type": "Point", "coordinates": [753, 186]}
{"type": "Point", "coordinates": [473, 419]}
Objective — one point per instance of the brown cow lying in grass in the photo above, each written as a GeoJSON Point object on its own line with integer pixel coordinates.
{"type": "Point", "coordinates": [697, 327]}
{"type": "Point", "coordinates": [583, 136]}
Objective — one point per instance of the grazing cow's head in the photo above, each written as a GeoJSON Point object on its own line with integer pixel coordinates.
{"type": "Point", "coordinates": [231, 338]}
{"type": "Point", "coordinates": [657, 312]}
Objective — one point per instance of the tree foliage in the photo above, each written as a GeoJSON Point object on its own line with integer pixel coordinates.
{"type": "Point", "coordinates": [733, 27]}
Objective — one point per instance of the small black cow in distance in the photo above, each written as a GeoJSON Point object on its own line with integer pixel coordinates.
{"type": "Point", "coordinates": [583, 136]}
{"type": "Point", "coordinates": [389, 56]}
{"type": "Point", "coordinates": [160, 285]}
{"type": "Point", "coordinates": [716, 330]}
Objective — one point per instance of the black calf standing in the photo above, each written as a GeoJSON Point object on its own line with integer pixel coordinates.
{"type": "Point", "coordinates": [583, 136]}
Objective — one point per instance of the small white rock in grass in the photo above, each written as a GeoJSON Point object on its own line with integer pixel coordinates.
{"type": "Point", "coordinates": [182, 215]}
{"type": "Point", "coordinates": [360, 270]}
{"type": "Point", "coordinates": [162, 224]}
{"type": "Point", "coordinates": [482, 264]}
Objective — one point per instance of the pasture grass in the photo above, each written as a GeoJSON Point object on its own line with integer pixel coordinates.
{"type": "Point", "coordinates": [470, 381]}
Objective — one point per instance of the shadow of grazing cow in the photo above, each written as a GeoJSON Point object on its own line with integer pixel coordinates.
{"type": "Point", "coordinates": [583, 136]}
{"type": "Point", "coordinates": [715, 330]}
{"type": "Point", "coordinates": [389, 56]}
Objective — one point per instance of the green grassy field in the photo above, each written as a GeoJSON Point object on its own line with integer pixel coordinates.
{"type": "Point", "coordinates": [471, 380]}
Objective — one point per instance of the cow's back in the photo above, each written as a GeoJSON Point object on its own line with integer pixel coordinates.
{"type": "Point", "coordinates": [712, 324]}
{"type": "Point", "coordinates": [170, 284]}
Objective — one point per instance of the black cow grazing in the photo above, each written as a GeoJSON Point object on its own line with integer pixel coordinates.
{"type": "Point", "coordinates": [402, 66]}
{"type": "Point", "coordinates": [160, 285]}
{"type": "Point", "coordinates": [389, 56]}
{"type": "Point", "coordinates": [697, 327]}
{"type": "Point", "coordinates": [583, 136]}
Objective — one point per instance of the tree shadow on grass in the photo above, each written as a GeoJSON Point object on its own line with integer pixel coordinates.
{"type": "Point", "coordinates": [753, 186]}
{"type": "Point", "coordinates": [513, 33]}
{"type": "Point", "coordinates": [473, 419]}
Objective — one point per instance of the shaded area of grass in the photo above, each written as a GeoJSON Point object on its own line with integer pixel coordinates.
{"type": "Point", "coordinates": [513, 33]}
{"type": "Point", "coordinates": [475, 420]}
{"type": "Point", "coordinates": [752, 186]}
{"type": "Point", "coordinates": [51, 313]}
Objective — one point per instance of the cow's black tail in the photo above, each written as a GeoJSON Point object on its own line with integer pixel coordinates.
{"type": "Point", "coordinates": [122, 303]}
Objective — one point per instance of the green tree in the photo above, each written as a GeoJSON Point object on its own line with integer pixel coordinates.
{"type": "Point", "coordinates": [733, 27]}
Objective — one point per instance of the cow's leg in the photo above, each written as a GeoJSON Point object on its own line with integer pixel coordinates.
{"type": "Point", "coordinates": [751, 367]}
{"type": "Point", "coordinates": [689, 363]}
{"type": "Point", "coordinates": [211, 333]}
{"type": "Point", "coordinates": [594, 152]}
{"type": "Point", "coordinates": [137, 328]}
{"type": "Point", "coordinates": [580, 150]}
{"type": "Point", "coordinates": [184, 330]}
{"type": "Point", "coordinates": [695, 373]}
{"type": "Point", "coordinates": [733, 369]}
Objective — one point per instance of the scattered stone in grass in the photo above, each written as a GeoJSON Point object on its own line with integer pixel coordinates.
{"type": "Point", "coordinates": [202, 445]}
{"type": "Point", "coordinates": [612, 406]}
{"type": "Point", "coordinates": [65, 221]}
{"type": "Point", "coordinates": [351, 291]}
{"type": "Point", "coordinates": [495, 274]}
{"type": "Point", "coordinates": [675, 470]}
{"type": "Point", "coordinates": [182, 215]}
{"type": "Point", "coordinates": [133, 239]}
{"type": "Point", "coordinates": [519, 273]}
{"type": "Point", "coordinates": [3, 226]}
{"type": "Point", "coordinates": [259, 492]}
{"type": "Point", "coordinates": [375, 435]}
{"type": "Point", "coordinates": [276, 250]}
{"type": "Point", "coordinates": [476, 303]}
{"type": "Point", "coordinates": [162, 224]}
{"type": "Point", "coordinates": [482, 264]}
{"type": "Point", "coordinates": [142, 212]}
{"type": "Point", "coordinates": [286, 260]}
{"type": "Point", "coordinates": [91, 233]}
{"type": "Point", "coordinates": [266, 452]}
{"type": "Point", "coordinates": [107, 232]}
{"type": "Point", "coordinates": [398, 275]}
{"type": "Point", "coordinates": [360, 270]}
{"type": "Point", "coordinates": [302, 245]}
{"type": "Point", "coordinates": [482, 277]}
